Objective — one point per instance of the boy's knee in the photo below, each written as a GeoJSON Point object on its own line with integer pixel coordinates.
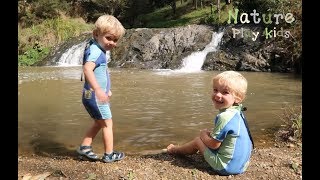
{"type": "Point", "coordinates": [105, 123]}
{"type": "Point", "coordinates": [200, 143]}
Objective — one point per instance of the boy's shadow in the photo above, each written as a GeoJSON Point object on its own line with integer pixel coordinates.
{"type": "Point", "coordinates": [195, 161]}
{"type": "Point", "coordinates": [45, 147]}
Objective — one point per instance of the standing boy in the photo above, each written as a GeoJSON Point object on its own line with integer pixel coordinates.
{"type": "Point", "coordinates": [96, 90]}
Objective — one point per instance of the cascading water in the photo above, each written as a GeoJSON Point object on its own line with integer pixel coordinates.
{"type": "Point", "coordinates": [194, 62]}
{"type": "Point", "coordinates": [73, 56]}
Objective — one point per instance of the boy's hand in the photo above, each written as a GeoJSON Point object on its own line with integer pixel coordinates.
{"type": "Point", "coordinates": [101, 96]}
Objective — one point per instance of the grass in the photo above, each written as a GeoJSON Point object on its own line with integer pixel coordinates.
{"type": "Point", "coordinates": [34, 43]}
{"type": "Point", "coordinates": [292, 128]}
{"type": "Point", "coordinates": [185, 14]}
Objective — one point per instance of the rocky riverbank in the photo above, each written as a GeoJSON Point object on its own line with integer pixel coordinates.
{"type": "Point", "coordinates": [165, 48]}
{"type": "Point", "coordinates": [282, 161]}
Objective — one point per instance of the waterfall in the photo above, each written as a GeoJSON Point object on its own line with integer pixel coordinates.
{"type": "Point", "coordinates": [194, 61]}
{"type": "Point", "coordinates": [73, 56]}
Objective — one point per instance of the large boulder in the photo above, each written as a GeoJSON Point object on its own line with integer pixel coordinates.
{"type": "Point", "coordinates": [159, 47]}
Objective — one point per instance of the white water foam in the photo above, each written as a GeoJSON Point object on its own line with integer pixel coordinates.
{"type": "Point", "coordinates": [194, 62]}
{"type": "Point", "coordinates": [73, 56]}
{"type": "Point", "coordinates": [190, 64]}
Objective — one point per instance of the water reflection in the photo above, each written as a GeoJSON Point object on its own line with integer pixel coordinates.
{"type": "Point", "coordinates": [151, 108]}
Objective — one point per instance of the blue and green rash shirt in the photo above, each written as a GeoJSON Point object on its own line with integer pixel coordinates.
{"type": "Point", "coordinates": [97, 54]}
{"type": "Point", "coordinates": [233, 155]}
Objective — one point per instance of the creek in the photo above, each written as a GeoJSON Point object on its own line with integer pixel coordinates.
{"type": "Point", "coordinates": [151, 108]}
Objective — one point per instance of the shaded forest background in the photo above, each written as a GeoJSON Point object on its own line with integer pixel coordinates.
{"type": "Point", "coordinates": [42, 24]}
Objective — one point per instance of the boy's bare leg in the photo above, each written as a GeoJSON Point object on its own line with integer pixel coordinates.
{"type": "Point", "coordinates": [190, 147]}
{"type": "Point", "coordinates": [107, 135]}
{"type": "Point", "coordinates": [91, 134]}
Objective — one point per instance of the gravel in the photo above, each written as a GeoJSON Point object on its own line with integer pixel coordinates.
{"type": "Point", "coordinates": [282, 161]}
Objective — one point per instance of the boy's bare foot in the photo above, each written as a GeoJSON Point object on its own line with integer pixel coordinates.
{"type": "Point", "coordinates": [171, 149]}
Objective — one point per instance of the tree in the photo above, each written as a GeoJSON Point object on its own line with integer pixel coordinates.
{"type": "Point", "coordinates": [218, 7]}
{"type": "Point", "coordinates": [173, 6]}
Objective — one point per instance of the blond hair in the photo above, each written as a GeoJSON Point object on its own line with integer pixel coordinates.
{"type": "Point", "coordinates": [109, 24]}
{"type": "Point", "coordinates": [234, 82]}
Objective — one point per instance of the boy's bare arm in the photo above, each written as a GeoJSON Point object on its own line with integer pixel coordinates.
{"type": "Point", "coordinates": [208, 140]}
{"type": "Point", "coordinates": [90, 77]}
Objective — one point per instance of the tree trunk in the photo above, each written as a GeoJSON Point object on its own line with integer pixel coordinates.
{"type": "Point", "coordinates": [173, 6]}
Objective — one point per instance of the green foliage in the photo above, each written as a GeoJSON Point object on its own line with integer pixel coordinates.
{"type": "Point", "coordinates": [292, 119]}
{"type": "Point", "coordinates": [193, 17]}
{"type": "Point", "coordinates": [45, 22]}
{"type": "Point", "coordinates": [64, 29]}
{"type": "Point", "coordinates": [158, 18]}
{"type": "Point", "coordinates": [185, 14]}
{"type": "Point", "coordinates": [292, 46]}
{"type": "Point", "coordinates": [35, 42]}
{"type": "Point", "coordinates": [31, 56]}
{"type": "Point", "coordinates": [33, 13]}
{"type": "Point", "coordinates": [216, 17]}
{"type": "Point", "coordinates": [259, 5]}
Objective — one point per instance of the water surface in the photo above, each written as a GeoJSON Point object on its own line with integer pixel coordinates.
{"type": "Point", "coordinates": [151, 108]}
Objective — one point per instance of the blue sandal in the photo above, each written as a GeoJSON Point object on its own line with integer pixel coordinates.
{"type": "Point", "coordinates": [114, 156]}
{"type": "Point", "coordinates": [86, 152]}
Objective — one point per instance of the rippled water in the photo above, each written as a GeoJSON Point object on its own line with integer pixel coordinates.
{"type": "Point", "coordinates": [151, 108]}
